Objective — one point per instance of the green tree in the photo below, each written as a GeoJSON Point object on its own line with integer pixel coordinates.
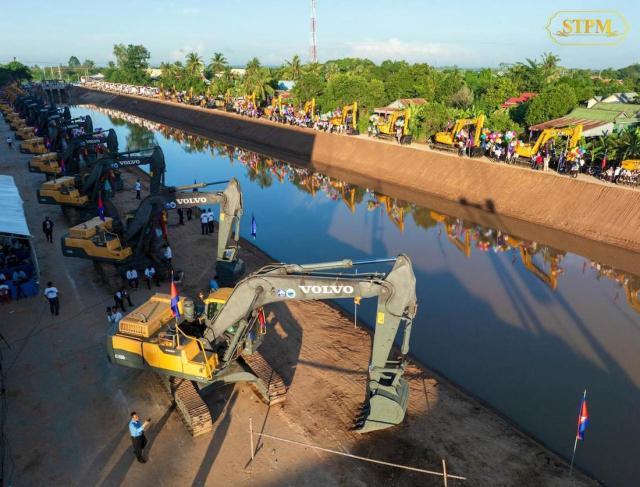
{"type": "Point", "coordinates": [501, 89]}
{"type": "Point", "coordinates": [428, 119]}
{"type": "Point", "coordinates": [627, 144]}
{"type": "Point", "coordinates": [310, 85]}
{"type": "Point", "coordinates": [463, 98]}
{"type": "Point", "coordinates": [194, 64]}
{"type": "Point", "coordinates": [14, 71]}
{"type": "Point", "coordinates": [293, 68]}
{"type": "Point", "coordinates": [553, 102]}
{"type": "Point", "coordinates": [74, 62]}
{"type": "Point", "coordinates": [217, 63]}
{"type": "Point", "coordinates": [257, 80]}
{"type": "Point", "coordinates": [500, 121]}
{"type": "Point", "coordinates": [132, 62]}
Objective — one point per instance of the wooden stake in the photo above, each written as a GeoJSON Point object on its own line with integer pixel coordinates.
{"type": "Point", "coordinates": [444, 472]}
{"type": "Point", "coordinates": [251, 436]}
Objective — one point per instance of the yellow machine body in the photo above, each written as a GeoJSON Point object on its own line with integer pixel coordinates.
{"type": "Point", "coordinates": [61, 191]}
{"type": "Point", "coordinates": [34, 146]}
{"type": "Point", "coordinates": [95, 239]}
{"type": "Point", "coordinates": [148, 338]}
{"type": "Point", "coordinates": [572, 133]}
{"type": "Point", "coordinates": [449, 138]}
{"type": "Point", "coordinates": [342, 118]}
{"type": "Point", "coordinates": [26, 133]}
{"type": "Point", "coordinates": [46, 164]}
{"type": "Point", "coordinates": [631, 164]}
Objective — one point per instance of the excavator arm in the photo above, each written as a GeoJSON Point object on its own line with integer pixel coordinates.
{"type": "Point", "coordinates": [228, 266]}
{"type": "Point", "coordinates": [387, 393]}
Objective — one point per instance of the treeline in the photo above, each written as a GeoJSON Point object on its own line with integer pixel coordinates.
{"type": "Point", "coordinates": [450, 93]}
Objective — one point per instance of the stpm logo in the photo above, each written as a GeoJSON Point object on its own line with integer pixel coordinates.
{"type": "Point", "coordinates": [587, 27]}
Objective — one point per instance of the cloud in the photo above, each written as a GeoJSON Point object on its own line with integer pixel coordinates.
{"type": "Point", "coordinates": [396, 49]}
{"type": "Point", "coordinates": [180, 53]}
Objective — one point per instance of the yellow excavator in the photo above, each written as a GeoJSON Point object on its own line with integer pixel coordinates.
{"type": "Point", "coordinates": [132, 243]}
{"type": "Point", "coordinates": [631, 164]}
{"type": "Point", "coordinates": [550, 278]}
{"type": "Point", "coordinates": [387, 128]}
{"type": "Point", "coordinates": [526, 151]}
{"type": "Point", "coordinates": [310, 109]}
{"type": "Point", "coordinates": [448, 140]}
{"type": "Point", "coordinates": [463, 244]}
{"type": "Point", "coordinates": [632, 291]}
{"type": "Point", "coordinates": [274, 107]}
{"type": "Point", "coordinates": [220, 344]}
{"type": "Point", "coordinates": [82, 190]}
{"type": "Point", "coordinates": [347, 118]}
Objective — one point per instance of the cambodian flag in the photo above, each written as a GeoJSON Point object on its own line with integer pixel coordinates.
{"type": "Point", "coordinates": [583, 417]}
{"type": "Point", "coordinates": [254, 227]}
{"type": "Point", "coordinates": [175, 299]}
{"type": "Point", "coordinates": [100, 207]}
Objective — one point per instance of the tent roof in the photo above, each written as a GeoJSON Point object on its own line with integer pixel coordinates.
{"type": "Point", "coordinates": [12, 219]}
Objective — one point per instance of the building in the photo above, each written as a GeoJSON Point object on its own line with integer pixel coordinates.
{"type": "Point", "coordinates": [401, 104]}
{"type": "Point", "coordinates": [631, 97]}
{"type": "Point", "coordinates": [601, 118]}
{"type": "Point", "coordinates": [517, 100]}
{"type": "Point", "coordinates": [16, 245]}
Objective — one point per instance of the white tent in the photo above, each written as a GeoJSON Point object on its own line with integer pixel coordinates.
{"type": "Point", "coordinates": [12, 219]}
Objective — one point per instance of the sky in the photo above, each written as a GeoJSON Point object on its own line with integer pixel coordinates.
{"type": "Point", "coordinates": [466, 33]}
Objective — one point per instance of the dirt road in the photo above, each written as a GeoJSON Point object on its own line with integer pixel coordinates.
{"type": "Point", "coordinates": [68, 407]}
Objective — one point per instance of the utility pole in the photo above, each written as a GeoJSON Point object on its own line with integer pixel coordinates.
{"type": "Point", "coordinates": [313, 51]}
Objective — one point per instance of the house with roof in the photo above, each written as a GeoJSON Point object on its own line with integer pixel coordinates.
{"type": "Point", "coordinates": [401, 104]}
{"type": "Point", "coordinates": [603, 117]}
{"type": "Point", "coordinates": [517, 100]}
{"type": "Point", "coordinates": [630, 97]}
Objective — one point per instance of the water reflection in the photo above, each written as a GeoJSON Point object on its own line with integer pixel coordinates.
{"type": "Point", "coordinates": [541, 261]}
{"type": "Point", "coordinates": [521, 325]}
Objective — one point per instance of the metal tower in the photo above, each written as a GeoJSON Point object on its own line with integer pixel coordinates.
{"type": "Point", "coordinates": [313, 50]}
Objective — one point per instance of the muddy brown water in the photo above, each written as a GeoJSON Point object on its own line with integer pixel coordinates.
{"type": "Point", "coordinates": [519, 325]}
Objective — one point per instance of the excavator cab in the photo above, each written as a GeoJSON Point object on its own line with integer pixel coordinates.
{"type": "Point", "coordinates": [62, 191]}
{"type": "Point", "coordinates": [388, 127]}
{"type": "Point", "coordinates": [95, 239]}
{"type": "Point", "coordinates": [46, 163]}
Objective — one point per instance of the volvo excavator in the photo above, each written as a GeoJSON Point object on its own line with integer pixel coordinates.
{"type": "Point", "coordinates": [68, 159]}
{"type": "Point", "coordinates": [447, 140]}
{"type": "Point", "coordinates": [573, 134]}
{"type": "Point", "coordinates": [348, 118]}
{"type": "Point", "coordinates": [82, 190]}
{"type": "Point", "coordinates": [220, 345]}
{"type": "Point", "coordinates": [134, 243]}
{"type": "Point", "coordinates": [387, 128]}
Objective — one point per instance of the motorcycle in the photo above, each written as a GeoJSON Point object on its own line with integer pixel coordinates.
{"type": "Point", "coordinates": [575, 169]}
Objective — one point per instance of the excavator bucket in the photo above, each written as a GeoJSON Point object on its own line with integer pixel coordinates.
{"type": "Point", "coordinates": [384, 408]}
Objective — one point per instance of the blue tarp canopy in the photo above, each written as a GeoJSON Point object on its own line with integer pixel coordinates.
{"type": "Point", "coordinates": [12, 219]}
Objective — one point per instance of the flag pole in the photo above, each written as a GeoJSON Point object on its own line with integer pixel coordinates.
{"type": "Point", "coordinates": [575, 443]}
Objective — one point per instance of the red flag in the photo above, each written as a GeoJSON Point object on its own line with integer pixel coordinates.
{"type": "Point", "coordinates": [100, 207]}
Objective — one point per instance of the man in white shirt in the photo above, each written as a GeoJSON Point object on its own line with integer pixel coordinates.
{"type": "Point", "coordinates": [204, 219]}
{"type": "Point", "coordinates": [115, 316]}
{"type": "Point", "coordinates": [138, 187]}
{"type": "Point", "coordinates": [149, 274]}
{"type": "Point", "coordinates": [168, 254]}
{"type": "Point", "coordinates": [132, 277]}
{"type": "Point", "coordinates": [210, 220]}
{"type": "Point", "coordinates": [51, 293]}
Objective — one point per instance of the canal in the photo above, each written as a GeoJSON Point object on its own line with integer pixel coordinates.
{"type": "Point", "coordinates": [521, 326]}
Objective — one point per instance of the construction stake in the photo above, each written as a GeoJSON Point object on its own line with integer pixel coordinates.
{"type": "Point", "coordinates": [251, 436]}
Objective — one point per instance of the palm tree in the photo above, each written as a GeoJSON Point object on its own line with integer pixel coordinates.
{"type": "Point", "coordinates": [602, 144]}
{"type": "Point", "coordinates": [294, 67]}
{"type": "Point", "coordinates": [257, 79]}
{"type": "Point", "coordinates": [628, 144]}
{"type": "Point", "coordinates": [194, 64]}
{"type": "Point", "coordinates": [218, 63]}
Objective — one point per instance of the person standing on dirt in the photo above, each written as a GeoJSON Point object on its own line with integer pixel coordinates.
{"type": "Point", "coordinates": [136, 430]}
{"type": "Point", "coordinates": [180, 216]}
{"type": "Point", "coordinates": [204, 222]}
{"type": "Point", "coordinates": [138, 187]}
{"type": "Point", "coordinates": [132, 277]}
{"type": "Point", "coordinates": [9, 141]}
{"type": "Point", "coordinates": [149, 275]}
{"type": "Point", "coordinates": [210, 220]}
{"type": "Point", "coordinates": [47, 228]}
{"type": "Point", "coordinates": [51, 293]}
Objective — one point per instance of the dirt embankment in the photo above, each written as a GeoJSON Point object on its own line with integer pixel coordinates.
{"type": "Point", "coordinates": [580, 209]}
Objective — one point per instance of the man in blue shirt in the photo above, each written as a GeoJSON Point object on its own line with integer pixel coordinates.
{"type": "Point", "coordinates": [136, 429]}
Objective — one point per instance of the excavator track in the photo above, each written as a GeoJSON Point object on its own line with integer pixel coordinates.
{"type": "Point", "coordinates": [276, 390]}
{"type": "Point", "coordinates": [194, 412]}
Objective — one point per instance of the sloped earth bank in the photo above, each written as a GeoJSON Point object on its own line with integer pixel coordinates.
{"type": "Point", "coordinates": [587, 217]}
{"type": "Point", "coordinates": [68, 407]}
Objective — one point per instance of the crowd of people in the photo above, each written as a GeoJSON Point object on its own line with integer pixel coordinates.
{"type": "Point", "coordinates": [16, 269]}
